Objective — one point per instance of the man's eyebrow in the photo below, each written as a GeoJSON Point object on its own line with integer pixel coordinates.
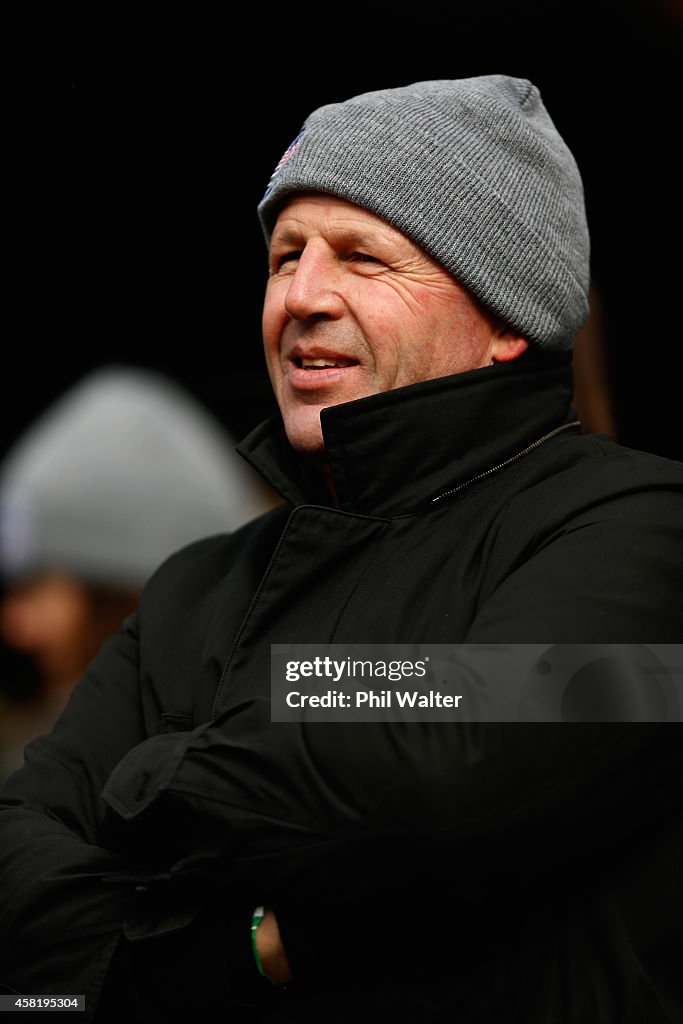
{"type": "Point", "coordinates": [285, 236]}
{"type": "Point", "coordinates": [367, 239]}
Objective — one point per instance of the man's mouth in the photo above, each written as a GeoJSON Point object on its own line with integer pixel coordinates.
{"type": "Point", "coordinates": [317, 371]}
{"type": "Point", "coordinates": [323, 364]}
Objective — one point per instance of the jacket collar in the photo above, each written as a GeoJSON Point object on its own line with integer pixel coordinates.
{"type": "Point", "coordinates": [393, 452]}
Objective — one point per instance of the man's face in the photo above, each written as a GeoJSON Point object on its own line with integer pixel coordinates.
{"type": "Point", "coordinates": [352, 308]}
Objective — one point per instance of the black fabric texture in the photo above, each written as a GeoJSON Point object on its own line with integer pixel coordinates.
{"type": "Point", "coordinates": [419, 871]}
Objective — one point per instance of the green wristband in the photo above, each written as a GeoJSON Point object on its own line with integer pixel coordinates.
{"type": "Point", "coordinates": [256, 918]}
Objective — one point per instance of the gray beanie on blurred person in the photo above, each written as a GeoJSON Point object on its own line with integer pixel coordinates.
{"type": "Point", "coordinates": [123, 470]}
{"type": "Point", "coordinates": [476, 173]}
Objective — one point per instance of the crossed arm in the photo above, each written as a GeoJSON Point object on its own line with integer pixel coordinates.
{"type": "Point", "coordinates": [285, 812]}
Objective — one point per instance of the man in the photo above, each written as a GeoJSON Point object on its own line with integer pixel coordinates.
{"type": "Point", "coordinates": [428, 272]}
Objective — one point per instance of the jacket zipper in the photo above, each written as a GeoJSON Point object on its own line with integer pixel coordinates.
{"type": "Point", "coordinates": [513, 458]}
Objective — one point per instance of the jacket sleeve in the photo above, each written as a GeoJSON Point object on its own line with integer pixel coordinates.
{"type": "Point", "coordinates": [78, 913]}
{"type": "Point", "coordinates": [405, 819]}
{"type": "Point", "coordinates": [59, 921]}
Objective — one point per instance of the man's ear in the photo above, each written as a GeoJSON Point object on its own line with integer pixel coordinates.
{"type": "Point", "coordinates": [507, 345]}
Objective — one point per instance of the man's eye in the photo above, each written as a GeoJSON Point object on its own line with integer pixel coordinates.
{"type": "Point", "coordinates": [278, 260]}
{"type": "Point", "coordinates": [286, 257]}
{"type": "Point", "coordinates": [364, 257]}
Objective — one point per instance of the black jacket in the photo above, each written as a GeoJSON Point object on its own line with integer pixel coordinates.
{"type": "Point", "coordinates": [521, 873]}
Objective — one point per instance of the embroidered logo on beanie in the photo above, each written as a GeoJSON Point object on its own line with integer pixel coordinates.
{"type": "Point", "coordinates": [288, 153]}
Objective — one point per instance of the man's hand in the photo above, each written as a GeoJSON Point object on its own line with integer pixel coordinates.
{"type": "Point", "coordinates": [271, 951]}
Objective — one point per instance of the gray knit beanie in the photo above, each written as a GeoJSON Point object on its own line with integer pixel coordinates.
{"type": "Point", "coordinates": [476, 173]}
{"type": "Point", "coordinates": [121, 471]}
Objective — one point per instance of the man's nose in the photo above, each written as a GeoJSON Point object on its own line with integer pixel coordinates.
{"type": "Point", "coordinates": [314, 287]}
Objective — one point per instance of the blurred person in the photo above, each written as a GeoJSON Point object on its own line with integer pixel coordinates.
{"type": "Point", "coordinates": [122, 470]}
{"type": "Point", "coordinates": [428, 273]}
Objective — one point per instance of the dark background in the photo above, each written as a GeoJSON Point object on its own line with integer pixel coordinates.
{"type": "Point", "coordinates": [142, 244]}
